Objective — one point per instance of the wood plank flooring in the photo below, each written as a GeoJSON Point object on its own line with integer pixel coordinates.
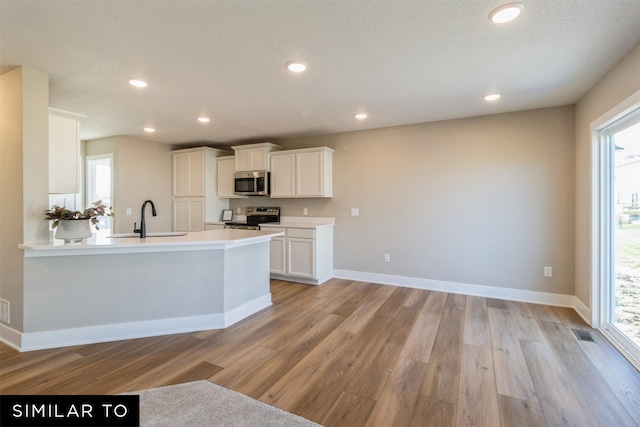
{"type": "Point", "coordinates": [361, 354]}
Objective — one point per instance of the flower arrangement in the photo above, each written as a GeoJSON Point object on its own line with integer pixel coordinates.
{"type": "Point", "coordinates": [57, 213]}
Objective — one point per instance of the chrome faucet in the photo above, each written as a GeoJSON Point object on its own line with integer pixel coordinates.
{"type": "Point", "coordinates": [143, 226]}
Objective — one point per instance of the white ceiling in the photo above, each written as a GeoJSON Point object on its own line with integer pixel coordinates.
{"type": "Point", "coordinates": [400, 61]}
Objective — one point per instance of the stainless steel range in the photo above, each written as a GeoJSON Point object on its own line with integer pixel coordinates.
{"type": "Point", "coordinates": [255, 217]}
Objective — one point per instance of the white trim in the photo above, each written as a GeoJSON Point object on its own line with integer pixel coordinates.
{"type": "Point", "coordinates": [600, 246]}
{"type": "Point", "coordinates": [66, 114]}
{"type": "Point", "coordinates": [122, 331]}
{"type": "Point", "coordinates": [247, 309]}
{"type": "Point", "coordinates": [583, 311]}
{"type": "Point", "coordinates": [621, 342]}
{"type": "Point", "coordinates": [602, 222]}
{"type": "Point", "coordinates": [10, 337]}
{"type": "Point", "coordinates": [511, 294]}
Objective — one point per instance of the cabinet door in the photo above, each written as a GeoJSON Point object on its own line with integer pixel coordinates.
{"type": "Point", "coordinates": [180, 174]}
{"type": "Point", "coordinates": [226, 169]}
{"type": "Point", "coordinates": [196, 215]}
{"type": "Point", "coordinates": [64, 145]}
{"type": "Point", "coordinates": [259, 159]}
{"type": "Point", "coordinates": [243, 160]}
{"type": "Point", "coordinates": [252, 159]}
{"type": "Point", "coordinates": [196, 173]}
{"type": "Point", "coordinates": [309, 174]}
{"type": "Point", "coordinates": [277, 255]}
{"type": "Point", "coordinates": [282, 175]}
{"type": "Point", "coordinates": [301, 260]}
{"type": "Point", "coordinates": [188, 174]}
{"type": "Point", "coordinates": [188, 214]}
{"type": "Point", "coordinates": [180, 215]}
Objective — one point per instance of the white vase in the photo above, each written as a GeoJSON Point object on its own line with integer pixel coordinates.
{"type": "Point", "coordinates": [73, 230]}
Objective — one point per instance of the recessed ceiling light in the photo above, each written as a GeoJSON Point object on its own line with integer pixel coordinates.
{"type": "Point", "coordinates": [204, 119]}
{"type": "Point", "coordinates": [492, 97]}
{"type": "Point", "coordinates": [296, 66]}
{"type": "Point", "coordinates": [149, 130]}
{"type": "Point", "coordinates": [360, 116]}
{"type": "Point", "coordinates": [506, 13]}
{"type": "Point", "coordinates": [137, 83]}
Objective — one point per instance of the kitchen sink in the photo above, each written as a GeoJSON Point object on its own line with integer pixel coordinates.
{"type": "Point", "coordinates": [161, 234]}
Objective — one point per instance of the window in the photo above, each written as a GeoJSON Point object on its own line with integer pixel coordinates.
{"type": "Point", "coordinates": [100, 185]}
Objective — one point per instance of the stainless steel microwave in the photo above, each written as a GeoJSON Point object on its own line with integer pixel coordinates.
{"type": "Point", "coordinates": [254, 183]}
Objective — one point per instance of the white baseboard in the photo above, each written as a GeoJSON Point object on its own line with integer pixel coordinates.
{"type": "Point", "coordinates": [122, 331]}
{"type": "Point", "coordinates": [10, 337]}
{"type": "Point", "coordinates": [511, 294]}
{"type": "Point", "coordinates": [584, 311]}
{"type": "Point", "coordinates": [245, 310]}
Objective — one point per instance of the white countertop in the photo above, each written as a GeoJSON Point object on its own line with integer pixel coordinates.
{"type": "Point", "coordinates": [101, 243]}
{"type": "Point", "coordinates": [300, 222]}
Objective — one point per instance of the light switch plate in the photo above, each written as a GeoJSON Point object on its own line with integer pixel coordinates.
{"type": "Point", "coordinates": [355, 212]}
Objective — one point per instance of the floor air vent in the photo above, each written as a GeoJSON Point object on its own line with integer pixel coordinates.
{"type": "Point", "coordinates": [583, 335]}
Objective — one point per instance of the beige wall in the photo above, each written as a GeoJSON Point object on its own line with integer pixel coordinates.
{"type": "Point", "coordinates": [142, 170]}
{"type": "Point", "coordinates": [24, 132]}
{"type": "Point", "coordinates": [485, 200]}
{"type": "Point", "coordinates": [621, 82]}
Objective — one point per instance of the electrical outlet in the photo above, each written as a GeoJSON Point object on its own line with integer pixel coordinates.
{"type": "Point", "coordinates": [355, 212]}
{"type": "Point", "coordinates": [548, 271]}
{"type": "Point", "coordinates": [387, 258]}
{"type": "Point", "coordinates": [305, 211]}
{"type": "Point", "coordinates": [4, 311]}
{"type": "Point", "coordinates": [129, 211]}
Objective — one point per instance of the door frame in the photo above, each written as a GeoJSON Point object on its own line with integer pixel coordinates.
{"type": "Point", "coordinates": [602, 252]}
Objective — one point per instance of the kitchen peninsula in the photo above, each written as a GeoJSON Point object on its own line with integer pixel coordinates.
{"type": "Point", "coordinates": [107, 289]}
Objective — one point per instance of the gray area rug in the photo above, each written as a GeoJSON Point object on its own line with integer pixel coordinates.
{"type": "Point", "coordinates": [201, 403]}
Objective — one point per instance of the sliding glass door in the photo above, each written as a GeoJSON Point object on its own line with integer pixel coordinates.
{"type": "Point", "coordinates": [625, 287]}
{"type": "Point", "coordinates": [619, 257]}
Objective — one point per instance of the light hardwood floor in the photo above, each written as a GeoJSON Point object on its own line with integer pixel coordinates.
{"type": "Point", "coordinates": [361, 354]}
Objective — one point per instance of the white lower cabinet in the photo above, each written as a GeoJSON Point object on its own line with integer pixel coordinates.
{"type": "Point", "coordinates": [277, 255]}
{"type": "Point", "coordinates": [303, 254]}
{"type": "Point", "coordinates": [188, 214]}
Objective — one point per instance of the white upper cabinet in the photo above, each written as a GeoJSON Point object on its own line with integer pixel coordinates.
{"type": "Point", "coordinates": [253, 157]}
{"type": "Point", "coordinates": [64, 152]}
{"type": "Point", "coordinates": [283, 175]}
{"type": "Point", "coordinates": [226, 186]}
{"type": "Point", "coordinates": [302, 173]}
{"type": "Point", "coordinates": [188, 173]}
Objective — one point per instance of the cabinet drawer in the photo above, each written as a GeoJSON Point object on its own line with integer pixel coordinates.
{"type": "Point", "coordinates": [304, 233]}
